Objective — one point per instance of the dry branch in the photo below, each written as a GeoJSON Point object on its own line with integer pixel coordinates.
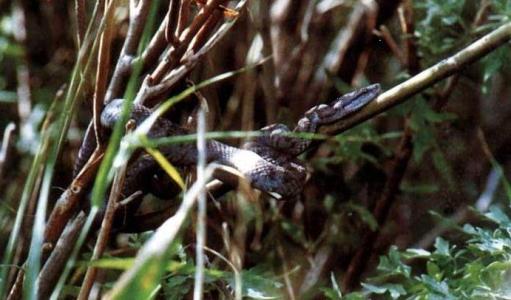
{"type": "Point", "coordinates": [53, 267]}
{"type": "Point", "coordinates": [106, 228]}
{"type": "Point", "coordinates": [138, 15]}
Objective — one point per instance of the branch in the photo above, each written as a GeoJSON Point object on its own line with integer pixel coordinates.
{"type": "Point", "coordinates": [53, 267]}
{"type": "Point", "coordinates": [81, 25]}
{"type": "Point", "coordinates": [426, 78]}
{"type": "Point", "coordinates": [159, 82]}
{"type": "Point", "coordinates": [156, 249]}
{"type": "Point", "coordinates": [106, 228]}
{"type": "Point", "coordinates": [397, 169]}
{"type": "Point", "coordinates": [69, 200]}
{"type": "Point", "coordinates": [175, 54]}
{"type": "Point", "coordinates": [137, 20]}
{"type": "Point", "coordinates": [103, 67]}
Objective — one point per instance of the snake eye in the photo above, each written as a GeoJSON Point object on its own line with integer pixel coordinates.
{"type": "Point", "coordinates": [357, 99]}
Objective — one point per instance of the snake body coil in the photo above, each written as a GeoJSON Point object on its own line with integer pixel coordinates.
{"type": "Point", "coordinates": [262, 173]}
{"type": "Point", "coordinates": [269, 161]}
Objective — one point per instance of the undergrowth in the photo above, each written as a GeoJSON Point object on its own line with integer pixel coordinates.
{"type": "Point", "coordinates": [429, 175]}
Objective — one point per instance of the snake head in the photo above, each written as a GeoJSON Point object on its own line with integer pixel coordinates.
{"type": "Point", "coordinates": [111, 113]}
{"type": "Point", "coordinates": [357, 99]}
{"type": "Point", "coordinates": [113, 110]}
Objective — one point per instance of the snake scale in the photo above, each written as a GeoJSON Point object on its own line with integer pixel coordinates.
{"type": "Point", "coordinates": [269, 161]}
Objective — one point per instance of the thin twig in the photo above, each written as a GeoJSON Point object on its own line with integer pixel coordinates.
{"type": "Point", "coordinates": [184, 11]}
{"type": "Point", "coordinates": [406, 18]}
{"type": "Point", "coordinates": [68, 201]}
{"type": "Point", "coordinates": [172, 22]}
{"type": "Point", "coordinates": [17, 287]}
{"type": "Point", "coordinates": [30, 192]}
{"type": "Point", "coordinates": [208, 27]}
{"type": "Point", "coordinates": [81, 24]}
{"type": "Point", "coordinates": [318, 264]}
{"type": "Point", "coordinates": [370, 20]}
{"type": "Point", "coordinates": [391, 42]}
{"type": "Point", "coordinates": [380, 212]}
{"type": "Point", "coordinates": [237, 274]}
{"type": "Point", "coordinates": [336, 55]}
{"type": "Point", "coordinates": [156, 46]}
{"type": "Point", "coordinates": [403, 154]}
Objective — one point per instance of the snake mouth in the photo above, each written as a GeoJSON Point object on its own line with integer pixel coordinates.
{"type": "Point", "coordinates": [358, 99]}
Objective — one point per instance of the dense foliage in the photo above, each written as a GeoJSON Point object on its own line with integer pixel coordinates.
{"type": "Point", "coordinates": [477, 268]}
{"type": "Point", "coordinates": [411, 204]}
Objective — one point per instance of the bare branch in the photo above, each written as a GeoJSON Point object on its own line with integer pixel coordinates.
{"type": "Point", "coordinates": [156, 248]}
{"type": "Point", "coordinates": [149, 89]}
{"type": "Point", "coordinates": [103, 68]}
{"type": "Point", "coordinates": [106, 227]}
{"type": "Point", "coordinates": [55, 264]}
{"type": "Point", "coordinates": [81, 24]}
{"type": "Point", "coordinates": [137, 20]}
{"type": "Point", "coordinates": [172, 21]}
{"type": "Point", "coordinates": [186, 37]}
{"type": "Point", "coordinates": [425, 79]}
{"type": "Point", "coordinates": [69, 200]}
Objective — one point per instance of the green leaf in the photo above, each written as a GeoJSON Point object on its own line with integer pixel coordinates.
{"type": "Point", "coordinates": [434, 270]}
{"type": "Point", "coordinates": [355, 296]}
{"type": "Point", "coordinates": [493, 64]}
{"type": "Point", "coordinates": [442, 247]}
{"type": "Point", "coordinates": [259, 284]}
{"type": "Point", "coordinates": [498, 216]}
{"type": "Point", "coordinates": [478, 269]}
{"type": "Point", "coordinates": [395, 290]}
{"type": "Point", "coordinates": [423, 139]}
{"type": "Point", "coordinates": [330, 293]}
{"type": "Point", "coordinates": [432, 116]}
{"type": "Point", "coordinates": [392, 264]}
{"type": "Point", "coordinates": [177, 287]}
{"type": "Point", "coordinates": [415, 253]}
{"type": "Point", "coordinates": [495, 273]}
{"type": "Point", "coordinates": [374, 289]}
{"type": "Point", "coordinates": [437, 287]}
{"type": "Point", "coordinates": [469, 229]}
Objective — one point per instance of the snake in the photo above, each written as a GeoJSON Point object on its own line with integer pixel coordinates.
{"type": "Point", "coordinates": [269, 162]}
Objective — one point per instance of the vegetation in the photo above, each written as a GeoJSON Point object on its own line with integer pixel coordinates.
{"type": "Point", "coordinates": [409, 198]}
